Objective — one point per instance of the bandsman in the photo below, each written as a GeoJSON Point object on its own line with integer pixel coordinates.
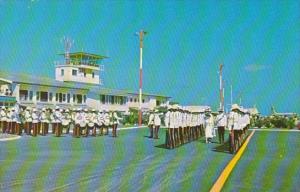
{"type": "Point", "coordinates": [95, 121]}
{"type": "Point", "coordinates": [106, 122]}
{"type": "Point", "coordinates": [90, 122]}
{"type": "Point", "coordinates": [3, 119]}
{"type": "Point", "coordinates": [167, 125]}
{"type": "Point", "coordinates": [77, 121]}
{"type": "Point", "coordinates": [66, 120]}
{"type": "Point", "coordinates": [234, 123]}
{"type": "Point", "coordinates": [28, 121]}
{"type": "Point", "coordinates": [15, 122]}
{"type": "Point", "coordinates": [57, 118]}
{"type": "Point", "coordinates": [44, 122]}
{"type": "Point", "coordinates": [9, 120]}
{"type": "Point", "coordinates": [100, 122]}
{"type": "Point", "coordinates": [115, 123]}
{"type": "Point", "coordinates": [35, 122]}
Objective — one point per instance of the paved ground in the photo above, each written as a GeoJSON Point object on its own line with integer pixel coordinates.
{"type": "Point", "coordinates": [271, 162]}
{"type": "Point", "coordinates": [131, 162]}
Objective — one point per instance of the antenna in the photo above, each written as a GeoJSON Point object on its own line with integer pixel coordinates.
{"type": "Point", "coordinates": [67, 44]}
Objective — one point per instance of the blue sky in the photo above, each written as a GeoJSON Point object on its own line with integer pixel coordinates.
{"type": "Point", "coordinates": [257, 41]}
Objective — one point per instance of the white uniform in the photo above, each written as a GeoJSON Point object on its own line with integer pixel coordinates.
{"type": "Point", "coordinates": [66, 119]}
{"type": "Point", "coordinates": [43, 117]}
{"type": "Point", "coordinates": [100, 119]}
{"type": "Point", "coordinates": [106, 119]}
{"type": "Point", "coordinates": [35, 117]}
{"type": "Point", "coordinates": [167, 119]}
{"type": "Point", "coordinates": [172, 120]}
{"type": "Point", "coordinates": [157, 120]}
{"type": "Point", "coordinates": [209, 126]}
{"type": "Point", "coordinates": [221, 120]}
{"type": "Point", "coordinates": [233, 121]}
{"type": "Point", "coordinates": [151, 119]}
{"type": "Point", "coordinates": [3, 115]}
{"type": "Point", "coordinates": [28, 117]}
{"type": "Point", "coordinates": [116, 118]}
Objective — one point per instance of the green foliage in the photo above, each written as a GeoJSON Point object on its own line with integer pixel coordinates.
{"type": "Point", "coordinates": [275, 122]}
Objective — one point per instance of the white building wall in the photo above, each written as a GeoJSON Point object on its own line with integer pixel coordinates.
{"type": "Point", "coordinates": [68, 76]}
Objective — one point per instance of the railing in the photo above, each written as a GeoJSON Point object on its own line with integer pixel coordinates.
{"type": "Point", "coordinates": [57, 63]}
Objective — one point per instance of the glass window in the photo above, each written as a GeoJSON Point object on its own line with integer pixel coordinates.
{"type": "Point", "coordinates": [68, 98]}
{"type": "Point", "coordinates": [62, 72]}
{"type": "Point", "coordinates": [37, 96]}
{"type": "Point", "coordinates": [79, 99]}
{"type": "Point", "coordinates": [93, 75]}
{"type": "Point", "coordinates": [135, 100]}
{"type": "Point", "coordinates": [143, 100]}
{"type": "Point", "coordinates": [74, 72]}
{"type": "Point", "coordinates": [30, 95]}
{"type": "Point", "coordinates": [23, 95]}
{"type": "Point", "coordinates": [157, 102]}
{"type": "Point", "coordinates": [84, 99]}
{"type": "Point", "coordinates": [102, 99]}
{"type": "Point", "coordinates": [56, 97]}
{"type": "Point", "coordinates": [84, 74]}
{"type": "Point", "coordinates": [130, 99]}
{"type": "Point", "coordinates": [44, 96]}
{"type": "Point", "coordinates": [60, 97]}
{"type": "Point", "coordinates": [64, 97]}
{"type": "Point", "coordinates": [50, 96]}
{"type": "Point", "coordinates": [74, 98]}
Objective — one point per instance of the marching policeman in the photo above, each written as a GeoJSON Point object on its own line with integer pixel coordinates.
{"type": "Point", "coordinates": [157, 122]}
{"type": "Point", "coordinates": [209, 125]}
{"type": "Point", "coordinates": [151, 123]}
{"type": "Point", "coordinates": [221, 122]}
{"type": "Point", "coordinates": [233, 123]}
{"type": "Point", "coordinates": [90, 122]}
{"type": "Point", "coordinates": [95, 121]}
{"type": "Point", "coordinates": [167, 124]}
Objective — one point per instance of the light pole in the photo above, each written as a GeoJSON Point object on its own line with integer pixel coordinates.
{"type": "Point", "coordinates": [141, 34]}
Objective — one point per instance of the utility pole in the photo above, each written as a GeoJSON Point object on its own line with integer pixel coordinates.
{"type": "Point", "coordinates": [221, 88]}
{"type": "Point", "coordinates": [231, 95]}
{"type": "Point", "coordinates": [141, 34]}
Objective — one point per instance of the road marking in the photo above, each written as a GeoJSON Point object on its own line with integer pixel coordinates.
{"type": "Point", "coordinates": [228, 169]}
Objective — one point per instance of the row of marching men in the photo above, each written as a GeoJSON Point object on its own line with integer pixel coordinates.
{"type": "Point", "coordinates": [37, 122]}
{"type": "Point", "coordinates": [183, 126]}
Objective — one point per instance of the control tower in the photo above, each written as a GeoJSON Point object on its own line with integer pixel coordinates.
{"type": "Point", "coordinates": [80, 67]}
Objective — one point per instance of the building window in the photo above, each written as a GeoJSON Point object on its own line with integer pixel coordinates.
{"type": "Point", "coordinates": [74, 98]}
{"type": "Point", "coordinates": [157, 103]}
{"type": "Point", "coordinates": [102, 99]}
{"type": "Point", "coordinates": [23, 95]}
{"type": "Point", "coordinates": [44, 96]}
{"type": "Point", "coordinates": [74, 72]}
{"type": "Point", "coordinates": [37, 96]}
{"type": "Point", "coordinates": [64, 97]}
{"type": "Point", "coordinates": [84, 99]}
{"type": "Point", "coordinates": [50, 97]}
{"type": "Point", "coordinates": [84, 74]}
{"type": "Point", "coordinates": [30, 95]}
{"type": "Point", "coordinates": [130, 99]}
{"type": "Point", "coordinates": [56, 97]}
{"type": "Point", "coordinates": [79, 99]}
{"type": "Point", "coordinates": [143, 100]}
{"type": "Point", "coordinates": [68, 98]}
{"type": "Point", "coordinates": [60, 97]}
{"type": "Point", "coordinates": [93, 75]}
{"type": "Point", "coordinates": [135, 100]}
{"type": "Point", "coordinates": [62, 72]}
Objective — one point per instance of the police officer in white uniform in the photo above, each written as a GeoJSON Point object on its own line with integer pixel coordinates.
{"type": "Point", "coordinates": [44, 125]}
{"type": "Point", "coordinates": [57, 121]}
{"type": "Point", "coordinates": [157, 122]}
{"type": "Point", "coordinates": [66, 120]}
{"type": "Point", "coordinates": [151, 123]}
{"type": "Point", "coordinates": [28, 121]}
{"type": "Point", "coordinates": [100, 122]}
{"type": "Point", "coordinates": [115, 123]}
{"type": "Point", "coordinates": [167, 125]}
{"type": "Point", "coordinates": [77, 120]}
{"type": "Point", "coordinates": [221, 122]}
{"type": "Point", "coordinates": [106, 122]}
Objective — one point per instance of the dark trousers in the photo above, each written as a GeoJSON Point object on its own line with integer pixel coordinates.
{"type": "Point", "coordinates": [151, 131]}
{"type": "Point", "coordinates": [114, 130]}
{"type": "Point", "coordinates": [156, 129]}
{"type": "Point", "coordinates": [76, 131]}
{"type": "Point", "coordinates": [221, 133]}
{"type": "Point", "coordinates": [58, 129]}
{"type": "Point", "coordinates": [35, 129]}
{"type": "Point", "coordinates": [43, 128]}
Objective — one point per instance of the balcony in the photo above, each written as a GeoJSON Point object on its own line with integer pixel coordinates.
{"type": "Point", "coordinates": [84, 65]}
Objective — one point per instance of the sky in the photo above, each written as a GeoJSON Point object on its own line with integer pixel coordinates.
{"type": "Point", "coordinates": [258, 42]}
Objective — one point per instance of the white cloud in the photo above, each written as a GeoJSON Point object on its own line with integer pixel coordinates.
{"type": "Point", "coordinates": [255, 67]}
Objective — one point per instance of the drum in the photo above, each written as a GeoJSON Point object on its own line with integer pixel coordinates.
{"type": "Point", "coordinates": [82, 124]}
{"type": "Point", "coordinates": [65, 122]}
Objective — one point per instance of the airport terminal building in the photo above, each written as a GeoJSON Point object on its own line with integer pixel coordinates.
{"type": "Point", "coordinates": [77, 83]}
